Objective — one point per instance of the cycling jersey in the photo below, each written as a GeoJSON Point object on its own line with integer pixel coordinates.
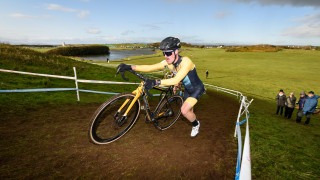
{"type": "Point", "coordinates": [185, 72]}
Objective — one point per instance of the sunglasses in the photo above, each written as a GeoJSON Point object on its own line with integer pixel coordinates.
{"type": "Point", "coordinates": [168, 53]}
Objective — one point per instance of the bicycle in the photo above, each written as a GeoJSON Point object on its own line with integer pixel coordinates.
{"type": "Point", "coordinates": [115, 117]}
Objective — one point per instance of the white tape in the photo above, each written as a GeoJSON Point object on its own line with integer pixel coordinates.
{"type": "Point", "coordinates": [103, 82]}
{"type": "Point", "coordinates": [37, 74]}
{"type": "Point", "coordinates": [65, 77]}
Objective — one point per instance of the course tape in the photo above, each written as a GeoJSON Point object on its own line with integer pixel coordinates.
{"type": "Point", "coordinates": [66, 77]}
{"type": "Point", "coordinates": [38, 90]}
{"type": "Point", "coordinates": [239, 153]}
{"type": "Point", "coordinates": [37, 74]}
{"type": "Point", "coordinates": [240, 123]}
{"type": "Point", "coordinates": [99, 92]}
{"type": "Point", "coordinates": [60, 89]}
{"type": "Point", "coordinates": [104, 82]}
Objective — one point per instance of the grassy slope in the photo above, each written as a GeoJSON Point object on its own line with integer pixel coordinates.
{"type": "Point", "coordinates": [280, 148]}
{"type": "Point", "coordinates": [23, 59]}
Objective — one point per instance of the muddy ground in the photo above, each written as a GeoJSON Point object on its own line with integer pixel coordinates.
{"type": "Point", "coordinates": [52, 142]}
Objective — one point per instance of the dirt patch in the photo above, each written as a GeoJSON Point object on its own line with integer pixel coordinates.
{"type": "Point", "coordinates": [52, 142]}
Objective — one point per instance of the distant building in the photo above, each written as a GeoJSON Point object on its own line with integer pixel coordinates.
{"type": "Point", "coordinates": [63, 44]}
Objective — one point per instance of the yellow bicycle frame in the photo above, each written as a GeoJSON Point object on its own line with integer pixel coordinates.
{"type": "Point", "coordinates": [138, 93]}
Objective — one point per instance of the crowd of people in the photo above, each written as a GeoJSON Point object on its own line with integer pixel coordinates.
{"type": "Point", "coordinates": [307, 104]}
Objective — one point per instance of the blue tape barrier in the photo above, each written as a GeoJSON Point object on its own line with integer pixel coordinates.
{"type": "Point", "coordinates": [99, 92]}
{"type": "Point", "coordinates": [239, 153]}
{"type": "Point", "coordinates": [245, 120]}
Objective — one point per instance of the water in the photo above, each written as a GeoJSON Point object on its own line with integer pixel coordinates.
{"type": "Point", "coordinates": [116, 54]}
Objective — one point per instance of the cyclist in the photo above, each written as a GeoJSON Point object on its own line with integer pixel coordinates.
{"type": "Point", "coordinates": [185, 72]}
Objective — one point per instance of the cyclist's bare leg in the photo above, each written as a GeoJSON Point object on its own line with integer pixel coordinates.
{"type": "Point", "coordinates": [187, 111]}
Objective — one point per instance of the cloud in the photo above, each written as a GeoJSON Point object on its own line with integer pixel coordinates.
{"type": "Point", "coordinates": [59, 8]}
{"type": "Point", "coordinates": [312, 3]}
{"type": "Point", "coordinates": [221, 14]}
{"type": "Point", "coordinates": [151, 26]}
{"type": "Point", "coordinates": [310, 27]}
{"type": "Point", "coordinates": [18, 15]}
{"type": "Point", "coordinates": [83, 14]}
{"type": "Point", "coordinates": [127, 32]}
{"type": "Point", "coordinates": [93, 31]}
{"type": "Point", "coordinates": [309, 18]}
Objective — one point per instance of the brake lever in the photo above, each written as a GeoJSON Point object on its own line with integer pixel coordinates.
{"type": "Point", "coordinates": [148, 94]}
{"type": "Point", "coordinates": [123, 77]}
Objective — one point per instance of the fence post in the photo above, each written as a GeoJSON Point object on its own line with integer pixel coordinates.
{"type": "Point", "coordinates": [76, 81]}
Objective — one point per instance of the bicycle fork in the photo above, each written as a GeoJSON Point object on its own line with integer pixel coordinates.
{"type": "Point", "coordinates": [120, 121]}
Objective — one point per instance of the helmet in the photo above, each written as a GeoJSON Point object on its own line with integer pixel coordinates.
{"type": "Point", "coordinates": [170, 43]}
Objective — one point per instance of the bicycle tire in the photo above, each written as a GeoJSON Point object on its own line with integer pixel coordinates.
{"type": "Point", "coordinates": [107, 117]}
{"type": "Point", "coordinates": [172, 105]}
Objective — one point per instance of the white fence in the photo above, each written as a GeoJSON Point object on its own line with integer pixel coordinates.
{"type": "Point", "coordinates": [62, 89]}
{"type": "Point", "coordinates": [243, 171]}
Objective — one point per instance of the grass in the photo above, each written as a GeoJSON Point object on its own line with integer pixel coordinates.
{"type": "Point", "coordinates": [280, 149]}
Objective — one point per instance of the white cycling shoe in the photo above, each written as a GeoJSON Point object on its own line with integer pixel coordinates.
{"type": "Point", "coordinates": [195, 130]}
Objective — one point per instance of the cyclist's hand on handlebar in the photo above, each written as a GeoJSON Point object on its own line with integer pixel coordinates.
{"type": "Point", "coordinates": [149, 84]}
{"type": "Point", "coordinates": [124, 67]}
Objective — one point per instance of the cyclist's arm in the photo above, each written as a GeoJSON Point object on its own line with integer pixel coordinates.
{"type": "Point", "coordinates": [148, 68]}
{"type": "Point", "coordinates": [186, 66]}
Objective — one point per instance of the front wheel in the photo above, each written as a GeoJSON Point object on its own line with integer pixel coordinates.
{"type": "Point", "coordinates": [168, 112]}
{"type": "Point", "coordinates": [108, 123]}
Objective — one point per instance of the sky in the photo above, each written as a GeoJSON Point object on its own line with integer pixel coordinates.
{"type": "Point", "coordinates": [244, 22]}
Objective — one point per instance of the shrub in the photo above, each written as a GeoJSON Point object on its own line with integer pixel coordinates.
{"type": "Point", "coordinates": [255, 48]}
{"type": "Point", "coordinates": [80, 50]}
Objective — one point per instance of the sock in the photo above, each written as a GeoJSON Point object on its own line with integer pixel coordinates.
{"type": "Point", "coordinates": [195, 123]}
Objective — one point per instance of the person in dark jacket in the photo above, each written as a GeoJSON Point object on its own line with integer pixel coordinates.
{"type": "Point", "coordinates": [290, 104]}
{"type": "Point", "coordinates": [310, 106]}
{"type": "Point", "coordinates": [281, 100]}
{"type": "Point", "coordinates": [301, 102]}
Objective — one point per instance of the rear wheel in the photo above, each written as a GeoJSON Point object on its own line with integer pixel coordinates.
{"type": "Point", "coordinates": [107, 124]}
{"type": "Point", "coordinates": [168, 112]}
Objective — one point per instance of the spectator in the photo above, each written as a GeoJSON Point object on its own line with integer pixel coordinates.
{"type": "Point", "coordinates": [281, 99]}
{"type": "Point", "coordinates": [301, 102]}
{"type": "Point", "coordinates": [290, 104]}
{"type": "Point", "coordinates": [207, 74]}
{"type": "Point", "coordinates": [310, 106]}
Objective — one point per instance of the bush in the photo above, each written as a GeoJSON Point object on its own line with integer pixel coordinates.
{"type": "Point", "coordinates": [255, 48]}
{"type": "Point", "coordinates": [80, 50]}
